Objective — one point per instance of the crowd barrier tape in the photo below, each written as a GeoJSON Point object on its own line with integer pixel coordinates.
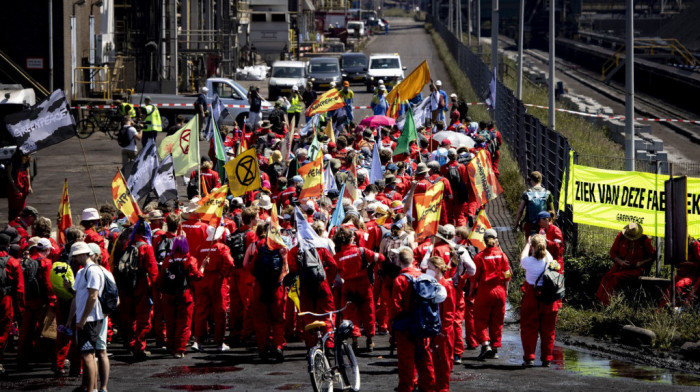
{"type": "Point", "coordinates": [182, 105]}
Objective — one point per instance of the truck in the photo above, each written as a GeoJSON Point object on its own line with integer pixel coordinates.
{"type": "Point", "coordinates": [230, 93]}
{"type": "Point", "coordinates": [13, 98]}
{"type": "Point", "coordinates": [269, 28]}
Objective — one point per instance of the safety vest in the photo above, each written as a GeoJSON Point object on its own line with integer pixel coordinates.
{"type": "Point", "coordinates": [153, 122]}
{"type": "Point", "coordinates": [122, 109]}
{"type": "Point", "coordinates": [295, 104]}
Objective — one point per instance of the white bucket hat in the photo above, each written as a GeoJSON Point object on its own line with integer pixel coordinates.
{"type": "Point", "coordinates": [90, 214]}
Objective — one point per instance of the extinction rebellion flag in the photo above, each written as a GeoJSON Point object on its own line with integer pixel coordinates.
{"type": "Point", "coordinates": [42, 125]}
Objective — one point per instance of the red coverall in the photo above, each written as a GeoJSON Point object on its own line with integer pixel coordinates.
{"type": "Point", "coordinates": [15, 292]}
{"type": "Point", "coordinates": [196, 233]}
{"type": "Point", "coordinates": [17, 200]}
{"type": "Point", "coordinates": [633, 251]}
{"type": "Point", "coordinates": [687, 274]}
{"type": "Point", "coordinates": [158, 321]}
{"type": "Point", "coordinates": [537, 317]}
{"type": "Point", "coordinates": [91, 236]}
{"type": "Point", "coordinates": [490, 302]}
{"type": "Point", "coordinates": [555, 244]}
{"type": "Point", "coordinates": [21, 228]}
{"type": "Point", "coordinates": [210, 292]}
{"type": "Point", "coordinates": [356, 287]}
{"type": "Point", "coordinates": [35, 309]}
{"type": "Point", "coordinates": [177, 309]}
{"type": "Point", "coordinates": [210, 180]}
{"type": "Point", "coordinates": [459, 206]}
{"type": "Point", "coordinates": [241, 283]}
{"type": "Point", "coordinates": [135, 306]}
{"type": "Point", "coordinates": [414, 355]}
{"type": "Point", "coordinates": [315, 300]}
{"type": "Point", "coordinates": [443, 344]}
{"type": "Point", "coordinates": [267, 308]}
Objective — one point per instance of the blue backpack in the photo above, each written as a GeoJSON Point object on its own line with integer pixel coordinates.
{"type": "Point", "coordinates": [424, 320]}
{"type": "Point", "coordinates": [536, 203]}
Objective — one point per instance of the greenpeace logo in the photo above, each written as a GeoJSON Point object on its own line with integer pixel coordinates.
{"type": "Point", "coordinates": [45, 121]}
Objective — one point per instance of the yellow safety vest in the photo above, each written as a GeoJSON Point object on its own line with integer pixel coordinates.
{"type": "Point", "coordinates": [295, 105]}
{"type": "Point", "coordinates": [153, 116]}
{"type": "Point", "coordinates": [122, 110]}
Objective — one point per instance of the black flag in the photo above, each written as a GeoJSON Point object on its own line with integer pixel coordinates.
{"type": "Point", "coordinates": [42, 125]}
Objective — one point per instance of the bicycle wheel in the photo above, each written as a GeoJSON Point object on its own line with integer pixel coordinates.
{"type": "Point", "coordinates": [320, 371]}
{"type": "Point", "coordinates": [85, 128]}
{"type": "Point", "coordinates": [112, 128]}
{"type": "Point", "coordinates": [347, 366]}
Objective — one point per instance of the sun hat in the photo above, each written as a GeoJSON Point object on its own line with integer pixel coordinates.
{"type": "Point", "coordinates": [79, 248]}
{"type": "Point", "coordinates": [90, 214]}
{"type": "Point", "coordinates": [633, 231]}
{"type": "Point", "coordinates": [265, 202]}
{"type": "Point", "coordinates": [422, 168]}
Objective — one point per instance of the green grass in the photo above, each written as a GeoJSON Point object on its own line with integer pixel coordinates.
{"type": "Point", "coordinates": [395, 12]}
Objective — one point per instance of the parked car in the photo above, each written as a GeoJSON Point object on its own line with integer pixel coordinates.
{"type": "Point", "coordinates": [324, 70]}
{"type": "Point", "coordinates": [356, 28]}
{"type": "Point", "coordinates": [384, 67]}
{"type": "Point", "coordinates": [354, 67]}
{"type": "Point", "coordinates": [284, 76]}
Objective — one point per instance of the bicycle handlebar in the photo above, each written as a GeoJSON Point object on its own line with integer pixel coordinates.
{"type": "Point", "coordinates": [325, 314]}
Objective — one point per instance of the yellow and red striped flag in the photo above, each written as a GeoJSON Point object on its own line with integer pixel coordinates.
{"type": "Point", "coordinates": [274, 239]}
{"type": "Point", "coordinates": [428, 207]}
{"type": "Point", "coordinates": [476, 237]}
{"type": "Point", "coordinates": [483, 178]}
{"type": "Point", "coordinates": [408, 88]}
{"type": "Point", "coordinates": [330, 100]}
{"type": "Point", "coordinates": [123, 199]}
{"type": "Point", "coordinates": [312, 173]}
{"type": "Point", "coordinates": [64, 218]}
{"type": "Point", "coordinates": [212, 206]}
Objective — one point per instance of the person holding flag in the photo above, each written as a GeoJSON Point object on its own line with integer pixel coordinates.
{"type": "Point", "coordinates": [462, 207]}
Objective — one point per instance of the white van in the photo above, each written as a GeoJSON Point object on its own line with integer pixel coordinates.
{"type": "Point", "coordinates": [284, 76]}
{"type": "Point", "coordinates": [384, 67]}
{"type": "Point", "coordinates": [356, 28]}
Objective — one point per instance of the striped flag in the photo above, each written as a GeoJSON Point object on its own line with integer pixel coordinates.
{"type": "Point", "coordinates": [411, 86]}
{"type": "Point", "coordinates": [312, 173]}
{"type": "Point", "coordinates": [273, 239]}
{"type": "Point", "coordinates": [64, 218]}
{"type": "Point", "coordinates": [483, 178]}
{"type": "Point", "coordinates": [211, 207]}
{"type": "Point", "coordinates": [141, 171]}
{"type": "Point", "coordinates": [123, 199]}
{"type": "Point", "coordinates": [330, 100]}
{"type": "Point", "coordinates": [428, 210]}
{"type": "Point", "coordinates": [164, 181]}
{"type": "Point", "coordinates": [476, 237]}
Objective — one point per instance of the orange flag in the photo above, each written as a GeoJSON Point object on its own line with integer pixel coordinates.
{"type": "Point", "coordinates": [476, 237]}
{"type": "Point", "coordinates": [330, 100]}
{"type": "Point", "coordinates": [428, 210]}
{"type": "Point", "coordinates": [64, 218]}
{"type": "Point", "coordinates": [123, 199]}
{"type": "Point", "coordinates": [212, 206]}
{"type": "Point", "coordinates": [483, 178]}
{"type": "Point", "coordinates": [274, 240]}
{"type": "Point", "coordinates": [408, 88]}
{"type": "Point", "coordinates": [312, 173]}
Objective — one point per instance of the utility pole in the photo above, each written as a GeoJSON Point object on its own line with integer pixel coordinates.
{"type": "Point", "coordinates": [629, 88]}
{"type": "Point", "coordinates": [521, 37]}
{"type": "Point", "coordinates": [494, 34]}
{"type": "Point", "coordinates": [469, 23]}
{"type": "Point", "coordinates": [552, 33]}
{"type": "Point", "coordinates": [478, 26]}
{"type": "Point", "coordinates": [51, 45]}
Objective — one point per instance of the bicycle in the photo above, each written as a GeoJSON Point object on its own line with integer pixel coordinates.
{"type": "Point", "coordinates": [107, 121]}
{"type": "Point", "coordinates": [344, 375]}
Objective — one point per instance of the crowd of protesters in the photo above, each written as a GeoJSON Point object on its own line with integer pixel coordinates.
{"type": "Point", "coordinates": [211, 288]}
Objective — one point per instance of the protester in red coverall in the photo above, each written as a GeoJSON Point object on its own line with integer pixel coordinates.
{"type": "Point", "coordinates": [537, 317]}
{"type": "Point", "coordinates": [269, 299]}
{"type": "Point", "coordinates": [443, 344]}
{"type": "Point", "coordinates": [135, 307]}
{"type": "Point", "coordinates": [314, 298]}
{"type": "Point", "coordinates": [89, 220]}
{"type": "Point", "coordinates": [38, 297]}
{"type": "Point", "coordinates": [22, 224]}
{"type": "Point", "coordinates": [357, 288]}
{"type": "Point", "coordinates": [20, 185]}
{"type": "Point", "coordinates": [555, 238]}
{"type": "Point", "coordinates": [241, 282]}
{"type": "Point", "coordinates": [195, 231]}
{"type": "Point", "coordinates": [414, 355]}
{"type": "Point", "coordinates": [155, 217]}
{"type": "Point", "coordinates": [209, 176]}
{"type": "Point", "coordinates": [631, 252]}
{"type": "Point", "coordinates": [464, 318]}
{"type": "Point", "coordinates": [11, 294]}
{"type": "Point", "coordinates": [42, 228]}
{"type": "Point", "coordinates": [492, 276]}
{"type": "Point", "coordinates": [210, 291]}
{"type": "Point", "coordinates": [175, 282]}
{"type": "Point", "coordinates": [463, 206]}
{"type": "Point", "coordinates": [688, 273]}
{"type": "Point", "coordinates": [390, 268]}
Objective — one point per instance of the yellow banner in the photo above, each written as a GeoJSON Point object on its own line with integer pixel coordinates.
{"type": "Point", "coordinates": [428, 206]}
{"type": "Point", "coordinates": [123, 199]}
{"type": "Point", "coordinates": [243, 173]}
{"type": "Point", "coordinates": [476, 237]}
{"type": "Point", "coordinates": [212, 206]}
{"type": "Point", "coordinates": [313, 178]}
{"type": "Point", "coordinates": [483, 178]}
{"type": "Point", "coordinates": [613, 198]}
{"type": "Point", "coordinates": [409, 87]}
{"type": "Point", "coordinates": [330, 100]}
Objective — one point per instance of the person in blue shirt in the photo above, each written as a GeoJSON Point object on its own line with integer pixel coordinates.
{"type": "Point", "coordinates": [379, 104]}
{"type": "Point", "coordinates": [443, 111]}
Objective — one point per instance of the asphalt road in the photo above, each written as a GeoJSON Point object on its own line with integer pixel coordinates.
{"type": "Point", "coordinates": [240, 369]}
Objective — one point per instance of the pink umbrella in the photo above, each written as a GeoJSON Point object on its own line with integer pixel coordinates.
{"type": "Point", "coordinates": [378, 121]}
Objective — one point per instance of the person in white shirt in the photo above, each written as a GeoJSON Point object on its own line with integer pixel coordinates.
{"type": "Point", "coordinates": [88, 285]}
{"type": "Point", "coordinates": [129, 152]}
{"type": "Point", "coordinates": [537, 317]}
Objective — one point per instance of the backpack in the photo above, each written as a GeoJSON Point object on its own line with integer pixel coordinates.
{"type": "Point", "coordinates": [536, 203]}
{"type": "Point", "coordinates": [123, 138]}
{"type": "Point", "coordinates": [32, 288]}
{"type": "Point", "coordinates": [5, 283]}
{"type": "Point", "coordinates": [163, 250]}
{"type": "Point", "coordinates": [311, 270]}
{"type": "Point", "coordinates": [268, 269]}
{"type": "Point", "coordinates": [109, 299]}
{"type": "Point", "coordinates": [424, 319]}
{"type": "Point", "coordinates": [174, 278]}
{"type": "Point", "coordinates": [391, 266]}
{"type": "Point", "coordinates": [552, 288]}
{"type": "Point", "coordinates": [128, 267]}
{"type": "Point", "coordinates": [236, 243]}
{"type": "Point", "coordinates": [441, 156]}
{"type": "Point", "coordinates": [459, 188]}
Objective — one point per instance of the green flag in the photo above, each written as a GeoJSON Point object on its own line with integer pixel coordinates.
{"type": "Point", "coordinates": [184, 147]}
{"type": "Point", "coordinates": [407, 135]}
{"type": "Point", "coordinates": [314, 148]}
{"type": "Point", "coordinates": [219, 152]}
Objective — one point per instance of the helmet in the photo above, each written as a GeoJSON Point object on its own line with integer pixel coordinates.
{"type": "Point", "coordinates": [344, 330]}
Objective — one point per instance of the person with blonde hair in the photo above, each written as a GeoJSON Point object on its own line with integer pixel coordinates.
{"type": "Point", "coordinates": [537, 318]}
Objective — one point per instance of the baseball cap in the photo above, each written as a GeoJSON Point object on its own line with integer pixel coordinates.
{"type": "Point", "coordinates": [544, 215]}
{"type": "Point", "coordinates": [490, 233]}
{"type": "Point", "coordinates": [94, 249]}
{"type": "Point", "coordinates": [453, 95]}
{"type": "Point", "coordinates": [295, 88]}
{"type": "Point", "coordinates": [4, 240]}
{"type": "Point", "coordinates": [392, 167]}
{"type": "Point", "coordinates": [79, 248]}
{"type": "Point", "coordinates": [346, 83]}
{"type": "Point", "coordinates": [438, 83]}
{"type": "Point", "coordinates": [29, 210]}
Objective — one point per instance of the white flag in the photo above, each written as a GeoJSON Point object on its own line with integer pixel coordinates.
{"type": "Point", "coordinates": [164, 181]}
{"type": "Point", "coordinates": [139, 173]}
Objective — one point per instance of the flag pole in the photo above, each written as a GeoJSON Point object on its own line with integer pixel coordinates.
{"type": "Point", "coordinates": [92, 186]}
